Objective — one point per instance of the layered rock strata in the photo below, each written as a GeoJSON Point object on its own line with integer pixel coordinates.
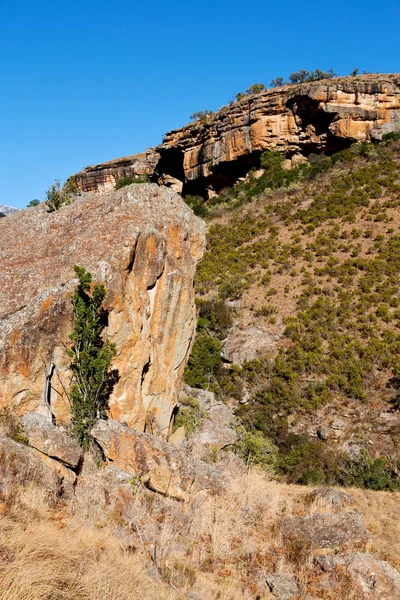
{"type": "Point", "coordinates": [143, 242]}
{"type": "Point", "coordinates": [322, 116]}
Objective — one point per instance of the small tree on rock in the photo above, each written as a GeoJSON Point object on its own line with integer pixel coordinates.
{"type": "Point", "coordinates": [57, 196]}
{"type": "Point", "coordinates": [278, 82]}
{"type": "Point", "coordinates": [91, 357]}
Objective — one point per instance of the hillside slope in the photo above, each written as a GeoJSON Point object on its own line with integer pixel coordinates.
{"type": "Point", "coordinates": [313, 264]}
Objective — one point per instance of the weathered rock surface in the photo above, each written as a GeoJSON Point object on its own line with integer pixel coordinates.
{"type": "Point", "coordinates": [50, 440]}
{"type": "Point", "coordinates": [143, 242]}
{"type": "Point", "coordinates": [373, 579]}
{"type": "Point", "coordinates": [21, 465]}
{"type": "Point", "coordinates": [343, 531]}
{"type": "Point", "coordinates": [104, 177]}
{"type": "Point", "coordinates": [323, 116]}
{"type": "Point", "coordinates": [178, 436]}
{"type": "Point", "coordinates": [217, 427]}
{"type": "Point", "coordinates": [283, 587]}
{"type": "Point", "coordinates": [163, 467]}
{"type": "Point", "coordinates": [242, 345]}
{"type": "Point", "coordinates": [58, 467]}
{"type": "Point", "coordinates": [334, 496]}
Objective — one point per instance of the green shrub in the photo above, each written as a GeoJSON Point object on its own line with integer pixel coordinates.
{"type": "Point", "coordinates": [127, 180]}
{"type": "Point", "coordinates": [255, 88]}
{"type": "Point", "coordinates": [374, 474]}
{"type": "Point", "coordinates": [57, 196]}
{"type": "Point", "coordinates": [91, 357]}
{"type": "Point", "coordinates": [189, 416]}
{"type": "Point", "coordinates": [277, 82]}
{"type": "Point", "coordinates": [390, 137]}
{"type": "Point", "coordinates": [255, 449]}
{"type": "Point", "coordinates": [197, 204]}
{"type": "Point", "coordinates": [203, 116]}
{"type": "Point", "coordinates": [204, 362]}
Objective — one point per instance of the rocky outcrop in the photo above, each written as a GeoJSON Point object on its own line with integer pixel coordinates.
{"type": "Point", "coordinates": [242, 345]}
{"type": "Point", "coordinates": [20, 465]}
{"type": "Point", "coordinates": [143, 242]}
{"type": "Point", "coordinates": [344, 531]}
{"type": "Point", "coordinates": [216, 423]}
{"type": "Point", "coordinates": [373, 579]}
{"type": "Point", "coordinates": [104, 177]}
{"type": "Point", "coordinates": [332, 497]}
{"type": "Point", "coordinates": [50, 440]}
{"type": "Point", "coordinates": [322, 116]}
{"type": "Point", "coordinates": [161, 466]}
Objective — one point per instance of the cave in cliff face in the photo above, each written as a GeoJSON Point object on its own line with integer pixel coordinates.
{"type": "Point", "coordinates": [314, 136]}
{"type": "Point", "coordinates": [171, 163]}
{"type": "Point", "coordinates": [315, 122]}
{"type": "Point", "coordinates": [224, 175]}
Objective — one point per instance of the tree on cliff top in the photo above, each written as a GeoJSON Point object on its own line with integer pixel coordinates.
{"type": "Point", "coordinates": [91, 357]}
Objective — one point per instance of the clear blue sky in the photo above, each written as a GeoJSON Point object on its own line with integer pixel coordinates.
{"type": "Point", "coordinates": [87, 81]}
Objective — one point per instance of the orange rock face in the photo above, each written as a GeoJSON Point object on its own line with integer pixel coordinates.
{"type": "Point", "coordinates": [323, 116]}
{"type": "Point", "coordinates": [144, 243]}
{"type": "Point", "coordinates": [103, 177]}
{"type": "Point", "coordinates": [163, 467]}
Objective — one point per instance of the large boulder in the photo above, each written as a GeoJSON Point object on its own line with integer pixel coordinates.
{"type": "Point", "coordinates": [50, 440]}
{"type": "Point", "coordinates": [335, 497]}
{"type": "Point", "coordinates": [242, 345]}
{"type": "Point", "coordinates": [283, 587]}
{"type": "Point", "coordinates": [343, 531]}
{"type": "Point", "coordinates": [161, 466]}
{"type": "Point", "coordinates": [144, 243]}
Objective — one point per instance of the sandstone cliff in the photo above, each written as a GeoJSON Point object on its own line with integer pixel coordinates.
{"type": "Point", "coordinates": [323, 116]}
{"type": "Point", "coordinates": [143, 242]}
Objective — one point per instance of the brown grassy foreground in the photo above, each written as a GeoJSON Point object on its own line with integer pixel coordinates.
{"type": "Point", "coordinates": [120, 544]}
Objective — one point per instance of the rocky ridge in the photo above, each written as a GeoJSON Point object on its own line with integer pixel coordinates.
{"type": "Point", "coordinates": [204, 157]}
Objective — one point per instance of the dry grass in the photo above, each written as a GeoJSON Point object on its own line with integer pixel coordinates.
{"type": "Point", "coordinates": [111, 542]}
{"type": "Point", "coordinates": [44, 556]}
{"type": "Point", "coordinates": [381, 513]}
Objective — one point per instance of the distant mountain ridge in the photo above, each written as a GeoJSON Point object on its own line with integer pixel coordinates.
{"type": "Point", "coordinates": [6, 210]}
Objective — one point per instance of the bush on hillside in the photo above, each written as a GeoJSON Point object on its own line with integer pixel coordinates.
{"type": "Point", "coordinates": [57, 196]}
{"type": "Point", "coordinates": [127, 180]}
{"type": "Point", "coordinates": [197, 204]}
{"type": "Point", "coordinates": [256, 449]}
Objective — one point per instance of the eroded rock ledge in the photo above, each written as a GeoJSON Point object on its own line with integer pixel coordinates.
{"type": "Point", "coordinates": [144, 243]}
{"type": "Point", "coordinates": [323, 116]}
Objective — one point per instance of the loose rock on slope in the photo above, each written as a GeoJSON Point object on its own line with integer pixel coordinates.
{"type": "Point", "coordinates": [163, 467]}
{"type": "Point", "coordinates": [50, 440]}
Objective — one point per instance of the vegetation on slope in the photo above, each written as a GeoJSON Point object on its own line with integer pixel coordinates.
{"type": "Point", "coordinates": [314, 254]}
